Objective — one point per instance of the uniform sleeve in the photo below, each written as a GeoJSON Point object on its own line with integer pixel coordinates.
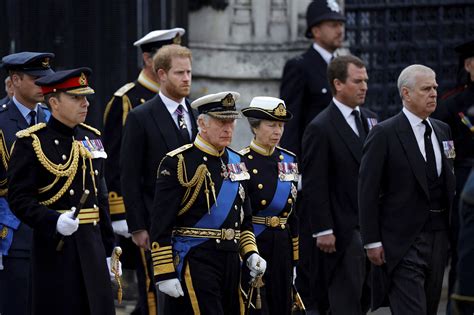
{"type": "Point", "coordinates": [132, 153]}
{"type": "Point", "coordinates": [23, 190]}
{"type": "Point", "coordinates": [315, 181]}
{"type": "Point", "coordinates": [292, 91]}
{"type": "Point", "coordinates": [247, 244]}
{"type": "Point", "coordinates": [112, 140]}
{"type": "Point", "coordinates": [108, 237]}
{"type": "Point", "coordinates": [166, 204]}
{"type": "Point", "coordinates": [370, 180]}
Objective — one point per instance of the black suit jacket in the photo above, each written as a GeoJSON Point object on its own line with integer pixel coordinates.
{"type": "Point", "coordinates": [149, 133]}
{"type": "Point", "coordinates": [331, 158]}
{"type": "Point", "coordinates": [305, 90]}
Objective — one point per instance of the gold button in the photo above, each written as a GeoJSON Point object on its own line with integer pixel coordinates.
{"type": "Point", "coordinates": [263, 202]}
{"type": "Point", "coordinates": [71, 192]}
{"type": "Point", "coordinates": [218, 241]}
{"type": "Point", "coordinates": [235, 207]}
{"type": "Point", "coordinates": [260, 186]}
{"type": "Point", "coordinates": [284, 214]}
{"type": "Point", "coordinates": [255, 171]}
{"type": "Point", "coordinates": [236, 224]}
{"type": "Point", "coordinates": [235, 241]}
{"type": "Point", "coordinates": [290, 201]}
{"type": "Point", "coordinates": [95, 222]}
{"type": "Point", "coordinates": [86, 137]}
{"type": "Point", "coordinates": [281, 157]}
{"type": "Point", "coordinates": [250, 157]}
{"type": "Point", "coordinates": [204, 158]}
{"type": "Point", "coordinates": [282, 226]}
{"type": "Point", "coordinates": [56, 141]}
{"type": "Point", "coordinates": [64, 157]}
{"type": "Point", "coordinates": [96, 172]}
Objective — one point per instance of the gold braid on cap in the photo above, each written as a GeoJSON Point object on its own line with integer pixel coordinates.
{"type": "Point", "coordinates": [201, 176]}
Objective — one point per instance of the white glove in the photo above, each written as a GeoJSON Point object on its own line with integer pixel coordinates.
{"type": "Point", "coordinates": [111, 274]}
{"type": "Point", "coordinates": [66, 225]}
{"type": "Point", "coordinates": [256, 264]}
{"type": "Point", "coordinates": [121, 228]}
{"type": "Point", "coordinates": [172, 287]}
{"type": "Point", "coordinates": [294, 275]}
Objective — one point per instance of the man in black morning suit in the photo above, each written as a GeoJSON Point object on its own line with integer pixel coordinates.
{"type": "Point", "coordinates": [332, 149]}
{"type": "Point", "coordinates": [152, 129]}
{"type": "Point", "coordinates": [15, 237]}
{"type": "Point", "coordinates": [406, 188]}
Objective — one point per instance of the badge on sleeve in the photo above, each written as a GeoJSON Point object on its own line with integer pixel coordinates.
{"type": "Point", "coordinates": [448, 148]}
{"type": "Point", "coordinates": [288, 172]}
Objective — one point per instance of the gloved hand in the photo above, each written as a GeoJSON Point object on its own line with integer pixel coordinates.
{"type": "Point", "coordinates": [172, 287]}
{"type": "Point", "coordinates": [109, 266]}
{"type": "Point", "coordinates": [256, 264]}
{"type": "Point", "coordinates": [294, 275]}
{"type": "Point", "coordinates": [66, 225]}
{"type": "Point", "coordinates": [121, 228]}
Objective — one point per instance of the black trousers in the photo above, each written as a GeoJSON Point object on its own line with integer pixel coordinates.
{"type": "Point", "coordinates": [417, 280]}
{"type": "Point", "coordinates": [15, 285]}
{"type": "Point", "coordinates": [210, 281]}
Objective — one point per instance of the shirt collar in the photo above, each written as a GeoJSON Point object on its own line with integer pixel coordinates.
{"type": "Point", "coordinates": [345, 110]}
{"type": "Point", "coordinates": [205, 146]}
{"type": "Point", "coordinates": [25, 111]}
{"type": "Point", "coordinates": [414, 120]}
{"type": "Point", "coordinates": [323, 52]}
{"type": "Point", "coordinates": [172, 105]}
{"type": "Point", "coordinates": [260, 149]}
{"type": "Point", "coordinates": [148, 82]}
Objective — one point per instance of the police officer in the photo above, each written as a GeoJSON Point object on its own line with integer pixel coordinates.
{"type": "Point", "coordinates": [51, 168]}
{"type": "Point", "coordinates": [22, 110]}
{"type": "Point", "coordinates": [132, 94]}
{"type": "Point", "coordinates": [458, 112]}
{"type": "Point", "coordinates": [272, 192]}
{"type": "Point", "coordinates": [201, 217]}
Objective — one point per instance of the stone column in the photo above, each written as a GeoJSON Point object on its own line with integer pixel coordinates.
{"type": "Point", "coordinates": [244, 48]}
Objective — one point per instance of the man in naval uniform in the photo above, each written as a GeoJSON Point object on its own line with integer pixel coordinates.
{"type": "Point", "coordinates": [132, 94]}
{"type": "Point", "coordinates": [201, 217]}
{"type": "Point", "coordinates": [52, 167]}
{"type": "Point", "coordinates": [22, 110]}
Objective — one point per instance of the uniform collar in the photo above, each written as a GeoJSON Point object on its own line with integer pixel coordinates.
{"type": "Point", "coordinates": [205, 146]}
{"type": "Point", "coordinates": [323, 52]}
{"type": "Point", "coordinates": [25, 111]}
{"type": "Point", "coordinates": [148, 83]}
{"type": "Point", "coordinates": [60, 127]}
{"type": "Point", "coordinates": [345, 110]}
{"type": "Point", "coordinates": [260, 149]}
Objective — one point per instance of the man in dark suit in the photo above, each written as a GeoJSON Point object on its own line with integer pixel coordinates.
{"type": "Point", "coordinates": [129, 96]}
{"type": "Point", "coordinates": [154, 128]}
{"type": "Point", "coordinates": [305, 89]}
{"type": "Point", "coordinates": [406, 188]}
{"type": "Point", "coordinates": [21, 111]}
{"type": "Point", "coordinates": [332, 149]}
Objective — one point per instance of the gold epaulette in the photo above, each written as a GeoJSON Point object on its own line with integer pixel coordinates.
{"type": "Point", "coordinates": [285, 150]}
{"type": "Point", "coordinates": [244, 151]}
{"type": "Point", "coordinates": [124, 89]}
{"type": "Point", "coordinates": [28, 131]}
{"type": "Point", "coordinates": [96, 131]}
{"type": "Point", "coordinates": [179, 150]}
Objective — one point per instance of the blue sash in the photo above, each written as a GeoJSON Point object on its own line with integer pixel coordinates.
{"type": "Point", "coordinates": [218, 213]}
{"type": "Point", "coordinates": [279, 199]}
{"type": "Point", "coordinates": [8, 220]}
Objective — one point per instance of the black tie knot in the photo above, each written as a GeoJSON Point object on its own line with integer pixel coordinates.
{"type": "Point", "coordinates": [428, 129]}
{"type": "Point", "coordinates": [183, 128]}
{"type": "Point", "coordinates": [360, 127]}
{"type": "Point", "coordinates": [32, 115]}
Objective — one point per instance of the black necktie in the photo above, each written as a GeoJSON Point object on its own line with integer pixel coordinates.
{"type": "Point", "coordinates": [32, 118]}
{"type": "Point", "coordinates": [360, 128]}
{"type": "Point", "coordinates": [183, 129]}
{"type": "Point", "coordinates": [431, 170]}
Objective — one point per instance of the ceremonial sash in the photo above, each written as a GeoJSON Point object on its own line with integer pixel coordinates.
{"type": "Point", "coordinates": [214, 220]}
{"type": "Point", "coordinates": [279, 199]}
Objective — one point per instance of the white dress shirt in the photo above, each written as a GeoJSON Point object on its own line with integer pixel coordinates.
{"type": "Point", "coordinates": [327, 56]}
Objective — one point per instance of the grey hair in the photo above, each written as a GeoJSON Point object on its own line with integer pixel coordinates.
{"type": "Point", "coordinates": [254, 123]}
{"type": "Point", "coordinates": [407, 77]}
{"type": "Point", "coordinates": [205, 118]}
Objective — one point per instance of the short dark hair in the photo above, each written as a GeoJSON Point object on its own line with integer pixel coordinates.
{"type": "Point", "coordinates": [47, 97]}
{"type": "Point", "coordinates": [337, 69]}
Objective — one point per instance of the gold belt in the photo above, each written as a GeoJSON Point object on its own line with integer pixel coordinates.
{"type": "Point", "coordinates": [270, 221]}
{"type": "Point", "coordinates": [86, 215]}
{"type": "Point", "coordinates": [222, 234]}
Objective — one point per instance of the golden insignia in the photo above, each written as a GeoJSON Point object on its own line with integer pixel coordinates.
{"type": "Point", "coordinates": [165, 173]}
{"type": "Point", "coordinates": [177, 39]}
{"type": "Point", "coordinates": [176, 260]}
{"type": "Point", "coordinates": [280, 110]}
{"type": "Point", "coordinates": [228, 100]}
{"type": "Point", "coordinates": [45, 63]}
{"type": "Point", "coordinates": [83, 79]}
{"type": "Point", "coordinates": [4, 232]}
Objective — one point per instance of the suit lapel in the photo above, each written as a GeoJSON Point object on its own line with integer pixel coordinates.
{"type": "Point", "coordinates": [16, 116]}
{"type": "Point", "coordinates": [412, 150]}
{"type": "Point", "coordinates": [348, 136]}
{"type": "Point", "coordinates": [164, 122]}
